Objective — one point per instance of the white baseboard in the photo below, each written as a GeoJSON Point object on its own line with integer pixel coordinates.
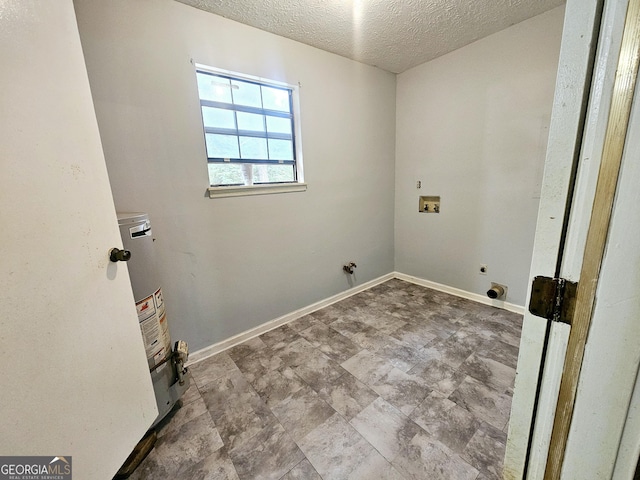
{"type": "Point", "coordinates": [461, 293]}
{"type": "Point", "coordinates": [206, 352]}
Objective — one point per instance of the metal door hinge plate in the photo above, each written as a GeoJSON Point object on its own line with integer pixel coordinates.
{"type": "Point", "coordinates": [553, 299]}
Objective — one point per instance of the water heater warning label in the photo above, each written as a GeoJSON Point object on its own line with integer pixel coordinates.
{"type": "Point", "coordinates": [154, 326]}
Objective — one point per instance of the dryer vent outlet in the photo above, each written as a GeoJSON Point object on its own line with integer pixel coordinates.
{"type": "Point", "coordinates": [497, 291]}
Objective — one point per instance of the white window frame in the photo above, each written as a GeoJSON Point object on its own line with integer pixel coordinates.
{"type": "Point", "coordinates": [240, 190]}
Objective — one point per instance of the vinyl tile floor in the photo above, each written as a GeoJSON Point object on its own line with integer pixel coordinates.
{"type": "Point", "coordinates": [396, 382]}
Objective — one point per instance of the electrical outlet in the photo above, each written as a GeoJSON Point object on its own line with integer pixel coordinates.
{"type": "Point", "coordinates": [483, 269]}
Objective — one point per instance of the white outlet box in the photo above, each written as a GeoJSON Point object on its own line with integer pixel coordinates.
{"type": "Point", "coordinates": [483, 269]}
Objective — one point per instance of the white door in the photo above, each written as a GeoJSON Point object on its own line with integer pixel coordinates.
{"type": "Point", "coordinates": [74, 373]}
{"type": "Point", "coordinates": [608, 370]}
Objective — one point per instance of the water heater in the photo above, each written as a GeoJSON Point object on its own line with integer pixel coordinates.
{"type": "Point", "coordinates": [166, 364]}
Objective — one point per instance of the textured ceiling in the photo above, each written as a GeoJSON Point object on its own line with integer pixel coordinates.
{"type": "Point", "coordinates": [394, 35]}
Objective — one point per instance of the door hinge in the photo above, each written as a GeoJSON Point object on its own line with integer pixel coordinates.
{"type": "Point", "coordinates": [553, 299]}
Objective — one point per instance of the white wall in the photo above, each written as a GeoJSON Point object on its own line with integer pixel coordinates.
{"type": "Point", "coordinates": [231, 264]}
{"type": "Point", "coordinates": [472, 126]}
{"type": "Point", "coordinates": [74, 369]}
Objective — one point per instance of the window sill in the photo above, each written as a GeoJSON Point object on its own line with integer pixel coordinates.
{"type": "Point", "coordinates": [219, 192]}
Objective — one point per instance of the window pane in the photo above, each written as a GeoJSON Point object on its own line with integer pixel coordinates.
{"type": "Point", "coordinates": [276, 99]}
{"type": "Point", "coordinates": [225, 174]}
{"type": "Point", "coordinates": [222, 146]}
{"type": "Point", "coordinates": [273, 173]}
{"type": "Point", "coordinates": [218, 118]}
{"type": "Point", "coordinates": [250, 121]}
{"type": "Point", "coordinates": [246, 94]}
{"type": "Point", "coordinates": [278, 125]}
{"type": "Point", "coordinates": [280, 149]}
{"type": "Point", "coordinates": [214, 88]}
{"type": "Point", "coordinates": [238, 128]}
{"type": "Point", "coordinates": [253, 148]}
